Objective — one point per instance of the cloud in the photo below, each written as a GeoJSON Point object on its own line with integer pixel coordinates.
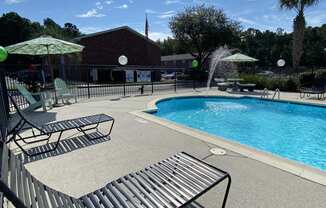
{"type": "Point", "coordinates": [109, 2]}
{"type": "Point", "coordinates": [255, 24]}
{"type": "Point", "coordinates": [13, 1]}
{"type": "Point", "coordinates": [316, 18]}
{"type": "Point", "coordinates": [149, 11]}
{"type": "Point", "coordinates": [173, 2]}
{"type": "Point", "coordinates": [88, 30]}
{"type": "Point", "coordinates": [167, 14]}
{"type": "Point", "coordinates": [91, 13]}
{"type": "Point", "coordinates": [245, 20]}
{"type": "Point", "coordinates": [99, 5]}
{"type": "Point", "coordinates": [159, 35]}
{"type": "Point", "coordinates": [123, 6]}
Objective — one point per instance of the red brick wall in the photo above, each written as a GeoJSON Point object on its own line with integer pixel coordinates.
{"type": "Point", "coordinates": [106, 48]}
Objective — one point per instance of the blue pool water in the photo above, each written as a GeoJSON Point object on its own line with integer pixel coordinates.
{"type": "Point", "coordinates": [293, 131]}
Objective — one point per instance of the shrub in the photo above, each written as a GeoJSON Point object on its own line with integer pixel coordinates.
{"type": "Point", "coordinates": [320, 78]}
{"type": "Point", "coordinates": [284, 84]}
{"type": "Point", "coordinates": [307, 79]}
{"type": "Point", "coordinates": [317, 79]}
{"type": "Point", "coordinates": [292, 85]}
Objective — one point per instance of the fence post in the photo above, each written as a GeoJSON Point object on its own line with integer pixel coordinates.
{"type": "Point", "coordinates": [175, 82]}
{"type": "Point", "coordinates": [124, 85]}
{"type": "Point", "coordinates": [4, 102]}
{"type": "Point", "coordinates": [152, 87]}
{"type": "Point", "coordinates": [88, 81]}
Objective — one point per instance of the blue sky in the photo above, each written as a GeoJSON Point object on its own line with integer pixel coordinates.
{"type": "Point", "coordinates": [96, 15]}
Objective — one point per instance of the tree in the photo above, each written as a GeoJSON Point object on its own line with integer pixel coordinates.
{"type": "Point", "coordinates": [18, 29]}
{"type": "Point", "coordinates": [171, 46]}
{"type": "Point", "coordinates": [299, 25]}
{"type": "Point", "coordinates": [15, 29]}
{"type": "Point", "coordinates": [70, 30]}
{"type": "Point", "coordinates": [202, 29]}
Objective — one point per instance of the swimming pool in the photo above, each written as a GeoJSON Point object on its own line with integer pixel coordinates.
{"type": "Point", "coordinates": [293, 131]}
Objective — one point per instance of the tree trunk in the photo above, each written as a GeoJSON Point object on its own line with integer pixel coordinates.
{"type": "Point", "coordinates": [299, 26]}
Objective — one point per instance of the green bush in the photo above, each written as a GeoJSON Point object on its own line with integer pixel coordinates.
{"type": "Point", "coordinates": [261, 82]}
{"type": "Point", "coordinates": [307, 79]}
{"type": "Point", "coordinates": [320, 78]}
{"type": "Point", "coordinates": [284, 84]}
{"type": "Point", "coordinates": [292, 85]}
{"type": "Point", "coordinates": [316, 79]}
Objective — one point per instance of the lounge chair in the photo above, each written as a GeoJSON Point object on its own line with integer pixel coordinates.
{"type": "Point", "coordinates": [171, 183]}
{"type": "Point", "coordinates": [46, 131]}
{"type": "Point", "coordinates": [307, 91]}
{"type": "Point", "coordinates": [249, 87]}
{"type": "Point", "coordinates": [63, 92]}
{"type": "Point", "coordinates": [33, 103]}
{"type": "Point", "coordinates": [222, 84]}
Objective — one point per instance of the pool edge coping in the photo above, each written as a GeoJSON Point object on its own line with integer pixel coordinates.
{"type": "Point", "coordinates": [295, 168]}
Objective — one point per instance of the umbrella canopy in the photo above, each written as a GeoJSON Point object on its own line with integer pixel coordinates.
{"type": "Point", "coordinates": [44, 45]}
{"type": "Point", "coordinates": [238, 57]}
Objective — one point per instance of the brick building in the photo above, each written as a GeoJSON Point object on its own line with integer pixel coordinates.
{"type": "Point", "coordinates": [104, 48]}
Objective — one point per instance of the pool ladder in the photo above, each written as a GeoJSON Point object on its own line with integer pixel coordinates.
{"type": "Point", "coordinates": [265, 94]}
{"type": "Point", "coordinates": [278, 93]}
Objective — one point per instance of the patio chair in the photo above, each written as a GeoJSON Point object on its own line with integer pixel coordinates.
{"type": "Point", "coordinates": [63, 92]}
{"type": "Point", "coordinates": [46, 131]}
{"type": "Point", "coordinates": [223, 86]}
{"type": "Point", "coordinates": [174, 182]}
{"type": "Point", "coordinates": [307, 91]}
{"type": "Point", "coordinates": [33, 103]}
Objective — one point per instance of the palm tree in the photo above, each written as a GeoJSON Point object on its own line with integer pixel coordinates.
{"type": "Point", "coordinates": [299, 25]}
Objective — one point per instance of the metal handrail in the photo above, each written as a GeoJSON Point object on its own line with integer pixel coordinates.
{"type": "Point", "coordinates": [278, 93]}
{"type": "Point", "coordinates": [265, 94]}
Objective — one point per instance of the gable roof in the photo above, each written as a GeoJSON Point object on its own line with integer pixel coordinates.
{"type": "Point", "coordinates": [179, 57]}
{"type": "Point", "coordinates": [114, 30]}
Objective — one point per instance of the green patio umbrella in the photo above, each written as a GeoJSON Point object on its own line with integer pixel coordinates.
{"type": "Point", "coordinates": [44, 45]}
{"type": "Point", "coordinates": [239, 58]}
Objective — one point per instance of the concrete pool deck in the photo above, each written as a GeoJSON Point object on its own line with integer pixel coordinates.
{"type": "Point", "coordinates": [136, 143]}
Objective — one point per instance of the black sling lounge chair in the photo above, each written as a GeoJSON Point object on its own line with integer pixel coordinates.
{"type": "Point", "coordinates": [171, 183]}
{"type": "Point", "coordinates": [319, 91]}
{"type": "Point", "coordinates": [46, 131]}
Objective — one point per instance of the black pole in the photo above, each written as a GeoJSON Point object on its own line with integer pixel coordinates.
{"type": "Point", "coordinates": [175, 82]}
{"type": "Point", "coordinates": [88, 80]}
{"type": "Point", "coordinates": [193, 79]}
{"type": "Point", "coordinates": [4, 94]}
{"type": "Point", "coordinates": [124, 84]}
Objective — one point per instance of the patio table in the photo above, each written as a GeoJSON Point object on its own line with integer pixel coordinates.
{"type": "Point", "coordinates": [235, 81]}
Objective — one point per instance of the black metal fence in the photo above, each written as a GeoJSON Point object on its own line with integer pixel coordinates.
{"type": "Point", "coordinates": [3, 108]}
{"type": "Point", "coordinates": [89, 81]}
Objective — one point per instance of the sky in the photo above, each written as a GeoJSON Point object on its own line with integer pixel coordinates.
{"type": "Point", "coordinates": [98, 15]}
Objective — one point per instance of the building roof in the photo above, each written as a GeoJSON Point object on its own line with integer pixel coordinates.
{"type": "Point", "coordinates": [177, 57]}
{"type": "Point", "coordinates": [114, 30]}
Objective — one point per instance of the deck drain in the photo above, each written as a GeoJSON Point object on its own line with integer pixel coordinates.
{"type": "Point", "coordinates": [217, 151]}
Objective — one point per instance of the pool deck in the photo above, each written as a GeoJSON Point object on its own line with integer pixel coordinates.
{"type": "Point", "coordinates": [137, 142]}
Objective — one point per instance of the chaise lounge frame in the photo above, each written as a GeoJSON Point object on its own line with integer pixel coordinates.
{"type": "Point", "coordinates": [46, 131]}
{"type": "Point", "coordinates": [172, 183]}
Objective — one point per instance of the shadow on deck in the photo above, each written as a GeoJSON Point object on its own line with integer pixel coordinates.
{"type": "Point", "coordinates": [65, 146]}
